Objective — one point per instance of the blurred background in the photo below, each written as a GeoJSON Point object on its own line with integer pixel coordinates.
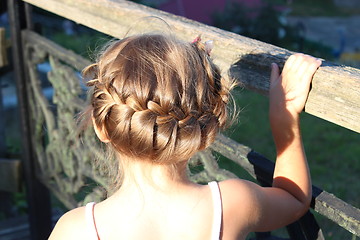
{"type": "Point", "coordinates": [329, 29]}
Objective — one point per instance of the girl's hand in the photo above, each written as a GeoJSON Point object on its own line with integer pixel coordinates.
{"type": "Point", "coordinates": [289, 91]}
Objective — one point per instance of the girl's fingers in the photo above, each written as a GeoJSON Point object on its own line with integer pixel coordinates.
{"type": "Point", "coordinates": [290, 60]}
{"type": "Point", "coordinates": [295, 80]}
{"type": "Point", "coordinates": [300, 66]}
{"type": "Point", "coordinates": [309, 67]}
{"type": "Point", "coordinates": [275, 73]}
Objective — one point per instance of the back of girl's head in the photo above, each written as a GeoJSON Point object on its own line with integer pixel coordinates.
{"type": "Point", "coordinates": [158, 99]}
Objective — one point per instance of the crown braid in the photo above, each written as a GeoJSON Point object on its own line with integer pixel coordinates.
{"type": "Point", "coordinates": [158, 99]}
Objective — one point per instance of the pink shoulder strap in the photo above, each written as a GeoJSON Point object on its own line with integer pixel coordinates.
{"type": "Point", "coordinates": [216, 197]}
{"type": "Point", "coordinates": [90, 221]}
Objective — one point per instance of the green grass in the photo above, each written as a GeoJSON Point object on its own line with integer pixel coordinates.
{"type": "Point", "coordinates": [86, 44]}
{"type": "Point", "coordinates": [333, 152]}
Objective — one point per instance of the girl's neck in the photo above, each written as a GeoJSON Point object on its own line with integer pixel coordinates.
{"type": "Point", "coordinates": [139, 174]}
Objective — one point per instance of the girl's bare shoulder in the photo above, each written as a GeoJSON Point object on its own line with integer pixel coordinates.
{"type": "Point", "coordinates": [240, 204]}
{"type": "Point", "coordinates": [237, 189]}
{"type": "Point", "coordinates": [72, 225]}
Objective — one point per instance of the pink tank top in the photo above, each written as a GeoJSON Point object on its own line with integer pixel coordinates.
{"type": "Point", "coordinates": [216, 225]}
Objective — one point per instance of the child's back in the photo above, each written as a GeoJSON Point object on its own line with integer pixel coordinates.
{"type": "Point", "coordinates": [157, 101]}
{"type": "Point", "coordinates": [184, 211]}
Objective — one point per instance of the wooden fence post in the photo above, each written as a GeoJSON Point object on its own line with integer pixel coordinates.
{"type": "Point", "coordinates": [3, 48]}
{"type": "Point", "coordinates": [38, 197]}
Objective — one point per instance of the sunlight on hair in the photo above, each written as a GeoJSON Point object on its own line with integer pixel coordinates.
{"type": "Point", "coordinates": [157, 99]}
{"type": "Point", "coordinates": [156, 24]}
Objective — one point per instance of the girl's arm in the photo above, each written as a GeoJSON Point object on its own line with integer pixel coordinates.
{"type": "Point", "coordinates": [288, 94]}
{"type": "Point", "coordinates": [266, 209]}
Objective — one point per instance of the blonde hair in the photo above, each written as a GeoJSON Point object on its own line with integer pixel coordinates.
{"type": "Point", "coordinates": [158, 99]}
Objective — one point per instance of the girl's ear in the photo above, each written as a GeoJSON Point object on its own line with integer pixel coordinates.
{"type": "Point", "coordinates": [100, 132]}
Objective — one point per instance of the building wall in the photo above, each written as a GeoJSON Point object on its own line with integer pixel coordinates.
{"type": "Point", "coordinates": [347, 3]}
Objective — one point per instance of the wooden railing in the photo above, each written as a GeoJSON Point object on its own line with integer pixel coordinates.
{"type": "Point", "coordinates": [334, 97]}
{"type": "Point", "coordinates": [335, 90]}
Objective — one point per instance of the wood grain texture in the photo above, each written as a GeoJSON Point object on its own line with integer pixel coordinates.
{"type": "Point", "coordinates": [335, 94]}
{"type": "Point", "coordinates": [10, 175]}
{"type": "Point", "coordinates": [328, 205]}
{"type": "Point", "coordinates": [3, 48]}
{"type": "Point", "coordinates": [50, 48]}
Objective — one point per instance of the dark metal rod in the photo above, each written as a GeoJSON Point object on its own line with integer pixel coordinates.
{"type": "Point", "coordinates": [38, 197]}
{"type": "Point", "coordinates": [2, 110]}
{"type": "Point", "coordinates": [28, 16]}
{"type": "Point", "coordinates": [2, 125]}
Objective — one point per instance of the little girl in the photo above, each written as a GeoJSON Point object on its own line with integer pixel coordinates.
{"type": "Point", "coordinates": [157, 101]}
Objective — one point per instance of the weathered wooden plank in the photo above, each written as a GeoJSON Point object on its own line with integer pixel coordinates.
{"type": "Point", "coordinates": [335, 90]}
{"type": "Point", "coordinates": [256, 165]}
{"type": "Point", "coordinates": [337, 210]}
{"type": "Point", "coordinates": [334, 95]}
{"type": "Point", "coordinates": [53, 49]}
{"type": "Point", "coordinates": [247, 59]}
{"type": "Point", "coordinates": [261, 168]}
{"type": "Point", "coordinates": [3, 48]}
{"type": "Point", "coordinates": [10, 175]}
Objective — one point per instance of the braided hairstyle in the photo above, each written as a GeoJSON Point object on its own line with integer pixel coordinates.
{"type": "Point", "coordinates": [158, 99]}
